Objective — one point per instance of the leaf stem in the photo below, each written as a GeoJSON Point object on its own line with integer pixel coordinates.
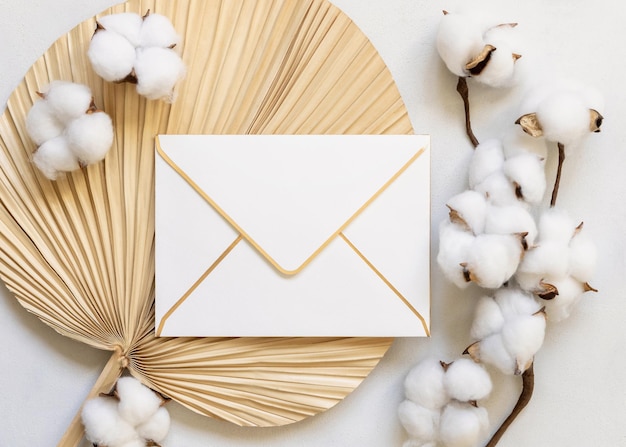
{"type": "Point", "coordinates": [557, 181]}
{"type": "Point", "coordinates": [463, 90]}
{"type": "Point", "coordinates": [528, 385]}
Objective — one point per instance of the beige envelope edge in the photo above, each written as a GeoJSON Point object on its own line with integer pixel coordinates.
{"type": "Point", "coordinates": [243, 235]}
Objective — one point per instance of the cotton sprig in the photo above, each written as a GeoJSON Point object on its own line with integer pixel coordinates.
{"type": "Point", "coordinates": [509, 328]}
{"type": "Point", "coordinates": [564, 113]}
{"type": "Point", "coordinates": [440, 406]}
{"type": "Point", "coordinates": [558, 269]}
{"type": "Point", "coordinates": [68, 129]}
{"type": "Point", "coordinates": [127, 47]}
{"type": "Point", "coordinates": [471, 46]}
{"type": "Point", "coordinates": [134, 416]}
{"type": "Point", "coordinates": [489, 226]}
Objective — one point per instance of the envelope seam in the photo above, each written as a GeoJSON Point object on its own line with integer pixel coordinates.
{"type": "Point", "coordinates": [387, 282]}
{"type": "Point", "coordinates": [195, 285]}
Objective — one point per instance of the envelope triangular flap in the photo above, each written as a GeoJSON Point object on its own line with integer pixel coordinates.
{"type": "Point", "coordinates": [289, 195]}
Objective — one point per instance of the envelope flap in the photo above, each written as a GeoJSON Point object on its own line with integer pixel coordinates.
{"type": "Point", "coordinates": [290, 195]}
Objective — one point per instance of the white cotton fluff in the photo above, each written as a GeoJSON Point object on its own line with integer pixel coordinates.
{"type": "Point", "coordinates": [54, 156]}
{"type": "Point", "coordinates": [556, 225]}
{"type": "Point", "coordinates": [138, 403]}
{"type": "Point", "coordinates": [493, 259]}
{"type": "Point", "coordinates": [90, 137]}
{"type": "Point", "coordinates": [500, 71]}
{"type": "Point", "coordinates": [68, 100]}
{"type": "Point", "coordinates": [523, 337]}
{"type": "Point", "coordinates": [514, 302]}
{"type": "Point", "coordinates": [583, 257]}
{"type": "Point", "coordinates": [498, 189]}
{"type": "Point", "coordinates": [467, 381]}
{"type": "Point", "coordinates": [510, 219]}
{"type": "Point", "coordinates": [136, 442]}
{"type": "Point", "coordinates": [419, 422]}
{"type": "Point", "coordinates": [547, 259]}
{"type": "Point", "coordinates": [41, 123]}
{"type": "Point", "coordinates": [463, 425]}
{"type": "Point", "coordinates": [454, 249]}
{"type": "Point", "coordinates": [459, 40]}
{"type": "Point", "coordinates": [527, 172]}
{"type": "Point", "coordinates": [487, 159]}
{"type": "Point", "coordinates": [125, 24]}
{"type": "Point", "coordinates": [564, 118]}
{"type": "Point", "coordinates": [570, 293]}
{"type": "Point", "coordinates": [493, 352]}
{"type": "Point", "coordinates": [488, 318]}
{"type": "Point", "coordinates": [471, 206]}
{"type": "Point", "coordinates": [424, 384]}
{"type": "Point", "coordinates": [104, 425]}
{"type": "Point", "coordinates": [155, 428]}
{"type": "Point", "coordinates": [111, 55]}
{"type": "Point", "coordinates": [157, 31]}
{"type": "Point", "coordinates": [158, 70]}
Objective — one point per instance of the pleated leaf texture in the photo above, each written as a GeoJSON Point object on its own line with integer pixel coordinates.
{"type": "Point", "coordinates": [79, 252]}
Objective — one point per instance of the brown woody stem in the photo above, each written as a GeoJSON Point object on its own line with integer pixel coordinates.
{"type": "Point", "coordinates": [557, 181]}
{"type": "Point", "coordinates": [463, 90]}
{"type": "Point", "coordinates": [528, 385]}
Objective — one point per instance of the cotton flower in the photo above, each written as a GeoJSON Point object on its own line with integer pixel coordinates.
{"type": "Point", "coordinates": [455, 244]}
{"type": "Point", "coordinates": [420, 423]}
{"type": "Point", "coordinates": [424, 384]}
{"type": "Point", "coordinates": [463, 425]}
{"type": "Point", "coordinates": [493, 259]}
{"type": "Point", "coordinates": [527, 173]}
{"type": "Point", "coordinates": [103, 423]}
{"type": "Point", "coordinates": [487, 158]}
{"type": "Point", "coordinates": [156, 427]}
{"type": "Point", "coordinates": [469, 210]}
{"type": "Point", "coordinates": [466, 381]}
{"type": "Point", "coordinates": [54, 157]}
{"type": "Point", "coordinates": [68, 129]}
{"type": "Point", "coordinates": [138, 403]}
{"type": "Point", "coordinates": [158, 70]}
{"type": "Point", "coordinates": [565, 112]}
{"type": "Point", "coordinates": [465, 45]}
{"type": "Point", "coordinates": [510, 328]}
{"type": "Point", "coordinates": [129, 48]}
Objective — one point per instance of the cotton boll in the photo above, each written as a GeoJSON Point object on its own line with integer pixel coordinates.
{"type": "Point", "coordinates": [514, 302]}
{"type": "Point", "coordinates": [68, 100]}
{"type": "Point", "coordinates": [41, 124]}
{"type": "Point", "coordinates": [523, 337]}
{"type": "Point", "coordinates": [155, 428]}
{"type": "Point", "coordinates": [138, 403]}
{"type": "Point", "coordinates": [510, 219]}
{"type": "Point", "coordinates": [424, 384]}
{"type": "Point", "coordinates": [158, 70]}
{"type": "Point", "coordinates": [491, 351]}
{"type": "Point", "coordinates": [454, 247]}
{"type": "Point", "coordinates": [126, 24]}
{"type": "Point", "coordinates": [493, 259]}
{"type": "Point", "coordinates": [90, 137]}
{"type": "Point", "coordinates": [459, 40]}
{"type": "Point", "coordinates": [570, 291]}
{"type": "Point", "coordinates": [467, 381]}
{"type": "Point", "coordinates": [487, 159]}
{"type": "Point", "coordinates": [470, 207]}
{"type": "Point", "coordinates": [463, 425]}
{"type": "Point", "coordinates": [583, 257]}
{"type": "Point", "coordinates": [54, 157]}
{"type": "Point", "coordinates": [527, 172]}
{"type": "Point", "coordinates": [555, 225]}
{"type": "Point", "coordinates": [158, 31]}
{"type": "Point", "coordinates": [488, 318]}
{"type": "Point", "coordinates": [419, 422]}
{"type": "Point", "coordinates": [103, 424]}
{"type": "Point", "coordinates": [564, 118]}
{"type": "Point", "coordinates": [498, 189]}
{"type": "Point", "coordinates": [547, 259]}
{"type": "Point", "coordinates": [111, 55]}
{"type": "Point", "coordinates": [500, 70]}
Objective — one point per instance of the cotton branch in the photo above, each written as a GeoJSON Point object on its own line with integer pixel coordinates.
{"type": "Point", "coordinates": [463, 90]}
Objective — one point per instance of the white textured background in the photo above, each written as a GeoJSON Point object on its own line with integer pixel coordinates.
{"type": "Point", "coordinates": [580, 393]}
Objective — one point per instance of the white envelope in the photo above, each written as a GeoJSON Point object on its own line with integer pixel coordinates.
{"type": "Point", "coordinates": [292, 235]}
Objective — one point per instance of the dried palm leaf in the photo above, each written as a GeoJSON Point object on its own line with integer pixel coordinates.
{"type": "Point", "coordinates": [79, 252]}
